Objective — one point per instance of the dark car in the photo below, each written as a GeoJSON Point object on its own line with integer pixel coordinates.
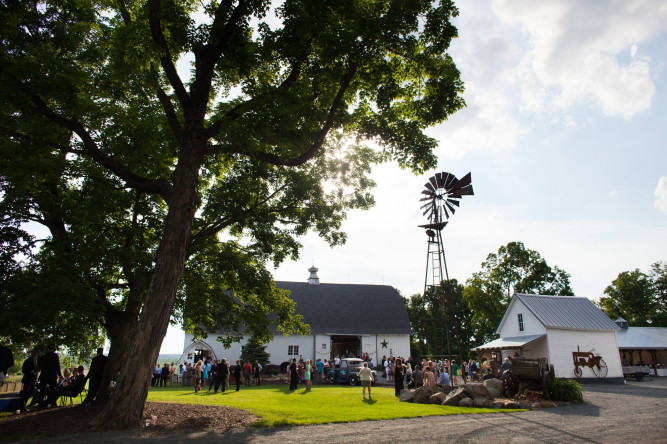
{"type": "Point", "coordinates": [348, 373]}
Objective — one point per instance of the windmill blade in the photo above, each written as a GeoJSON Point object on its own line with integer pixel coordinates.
{"type": "Point", "coordinates": [440, 179]}
{"type": "Point", "coordinates": [445, 210]}
{"type": "Point", "coordinates": [427, 210]}
{"type": "Point", "coordinates": [426, 205]}
{"type": "Point", "coordinates": [451, 208]}
{"type": "Point", "coordinates": [429, 186]}
{"type": "Point", "coordinates": [455, 202]}
{"type": "Point", "coordinates": [425, 198]}
{"type": "Point", "coordinates": [451, 183]}
{"type": "Point", "coordinates": [433, 182]}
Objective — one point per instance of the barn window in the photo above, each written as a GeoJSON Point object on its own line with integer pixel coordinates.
{"type": "Point", "coordinates": [292, 350]}
{"type": "Point", "coordinates": [324, 346]}
{"type": "Point", "coordinates": [520, 319]}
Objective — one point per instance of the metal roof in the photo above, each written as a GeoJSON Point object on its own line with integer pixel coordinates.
{"type": "Point", "coordinates": [349, 308]}
{"type": "Point", "coordinates": [508, 343]}
{"type": "Point", "coordinates": [642, 338]}
{"type": "Point", "coordinates": [566, 312]}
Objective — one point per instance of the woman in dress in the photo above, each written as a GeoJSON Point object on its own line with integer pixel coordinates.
{"type": "Point", "coordinates": [307, 375]}
{"type": "Point", "coordinates": [429, 377]}
{"type": "Point", "coordinates": [399, 375]}
{"type": "Point", "coordinates": [199, 370]}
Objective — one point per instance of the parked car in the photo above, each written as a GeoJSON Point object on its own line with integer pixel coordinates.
{"type": "Point", "coordinates": [348, 373]}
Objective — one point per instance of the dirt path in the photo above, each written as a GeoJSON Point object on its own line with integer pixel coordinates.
{"type": "Point", "coordinates": [636, 412]}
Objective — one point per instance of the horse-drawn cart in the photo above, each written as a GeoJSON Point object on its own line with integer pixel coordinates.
{"type": "Point", "coordinates": [528, 373]}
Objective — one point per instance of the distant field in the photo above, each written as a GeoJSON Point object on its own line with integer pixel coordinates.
{"type": "Point", "coordinates": [168, 358]}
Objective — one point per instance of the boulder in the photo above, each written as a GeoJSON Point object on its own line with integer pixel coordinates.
{"type": "Point", "coordinates": [511, 405]}
{"type": "Point", "coordinates": [466, 402]}
{"type": "Point", "coordinates": [497, 404]}
{"type": "Point", "coordinates": [422, 395]}
{"type": "Point", "coordinates": [479, 402]}
{"type": "Point", "coordinates": [494, 387]}
{"type": "Point", "coordinates": [437, 398]}
{"type": "Point", "coordinates": [488, 403]}
{"type": "Point", "coordinates": [479, 390]}
{"type": "Point", "coordinates": [525, 404]}
{"type": "Point", "coordinates": [547, 404]}
{"type": "Point", "coordinates": [536, 405]}
{"type": "Point", "coordinates": [407, 396]}
{"type": "Point", "coordinates": [453, 401]}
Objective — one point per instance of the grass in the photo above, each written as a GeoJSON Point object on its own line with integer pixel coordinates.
{"type": "Point", "coordinates": [276, 405]}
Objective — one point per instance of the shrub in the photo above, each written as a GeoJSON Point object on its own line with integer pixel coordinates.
{"type": "Point", "coordinates": [566, 390]}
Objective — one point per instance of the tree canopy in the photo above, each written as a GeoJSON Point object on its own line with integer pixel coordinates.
{"type": "Point", "coordinates": [165, 192]}
{"type": "Point", "coordinates": [514, 269]}
{"type": "Point", "coordinates": [639, 298]}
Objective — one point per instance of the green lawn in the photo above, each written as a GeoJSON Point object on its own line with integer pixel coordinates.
{"type": "Point", "coordinates": [276, 405]}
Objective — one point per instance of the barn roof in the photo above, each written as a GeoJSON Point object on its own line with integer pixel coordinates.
{"type": "Point", "coordinates": [565, 312]}
{"type": "Point", "coordinates": [646, 338]}
{"type": "Point", "coordinates": [349, 308]}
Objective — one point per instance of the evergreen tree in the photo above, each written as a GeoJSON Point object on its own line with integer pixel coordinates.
{"type": "Point", "coordinates": [255, 351]}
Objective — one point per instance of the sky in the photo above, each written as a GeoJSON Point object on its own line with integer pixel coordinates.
{"type": "Point", "coordinates": [565, 135]}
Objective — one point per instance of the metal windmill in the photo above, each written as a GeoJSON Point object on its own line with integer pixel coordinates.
{"type": "Point", "coordinates": [441, 197]}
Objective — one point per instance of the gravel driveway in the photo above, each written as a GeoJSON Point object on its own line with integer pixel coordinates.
{"type": "Point", "coordinates": [613, 413]}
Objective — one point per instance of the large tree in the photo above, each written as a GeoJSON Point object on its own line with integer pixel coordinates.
{"type": "Point", "coordinates": [638, 297]}
{"type": "Point", "coordinates": [152, 182]}
{"type": "Point", "coordinates": [440, 321]}
{"type": "Point", "coordinates": [514, 269]}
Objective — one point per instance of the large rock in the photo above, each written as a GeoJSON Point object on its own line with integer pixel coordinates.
{"type": "Point", "coordinates": [525, 404]}
{"type": "Point", "coordinates": [437, 398]}
{"type": "Point", "coordinates": [453, 401]}
{"type": "Point", "coordinates": [466, 402]}
{"type": "Point", "coordinates": [422, 395]}
{"type": "Point", "coordinates": [479, 390]}
{"type": "Point", "coordinates": [494, 387]}
{"type": "Point", "coordinates": [407, 396]}
{"type": "Point", "coordinates": [547, 404]}
{"type": "Point", "coordinates": [479, 402]}
{"type": "Point", "coordinates": [511, 405]}
{"type": "Point", "coordinates": [497, 404]}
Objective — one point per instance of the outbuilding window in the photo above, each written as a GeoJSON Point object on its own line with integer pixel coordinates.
{"type": "Point", "coordinates": [520, 319]}
{"type": "Point", "coordinates": [292, 350]}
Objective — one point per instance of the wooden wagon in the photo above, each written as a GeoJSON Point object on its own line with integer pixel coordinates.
{"type": "Point", "coordinates": [528, 373]}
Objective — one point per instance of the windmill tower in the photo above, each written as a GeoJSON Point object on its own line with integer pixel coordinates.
{"type": "Point", "coordinates": [441, 197]}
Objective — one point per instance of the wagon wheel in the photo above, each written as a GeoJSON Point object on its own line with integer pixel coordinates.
{"type": "Point", "coordinates": [508, 389]}
{"type": "Point", "coordinates": [600, 369]}
{"type": "Point", "coordinates": [546, 377]}
{"type": "Point", "coordinates": [577, 371]}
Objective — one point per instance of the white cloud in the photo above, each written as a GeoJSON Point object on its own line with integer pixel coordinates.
{"type": "Point", "coordinates": [575, 52]}
{"type": "Point", "coordinates": [660, 203]}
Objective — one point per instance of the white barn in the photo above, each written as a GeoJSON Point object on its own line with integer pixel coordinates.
{"type": "Point", "coordinates": [535, 326]}
{"type": "Point", "coordinates": [344, 319]}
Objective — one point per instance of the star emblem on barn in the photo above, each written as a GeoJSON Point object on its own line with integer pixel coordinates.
{"type": "Point", "coordinates": [384, 343]}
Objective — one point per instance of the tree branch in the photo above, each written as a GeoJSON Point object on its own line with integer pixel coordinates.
{"type": "Point", "coordinates": [165, 59]}
{"type": "Point", "coordinates": [160, 187]}
{"type": "Point", "coordinates": [310, 151]}
{"type": "Point", "coordinates": [244, 107]}
{"type": "Point", "coordinates": [168, 107]}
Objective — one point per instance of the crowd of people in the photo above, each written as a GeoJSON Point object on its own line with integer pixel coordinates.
{"type": "Point", "coordinates": [206, 372]}
{"type": "Point", "coordinates": [46, 382]}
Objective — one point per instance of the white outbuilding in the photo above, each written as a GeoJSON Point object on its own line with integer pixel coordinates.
{"type": "Point", "coordinates": [555, 327]}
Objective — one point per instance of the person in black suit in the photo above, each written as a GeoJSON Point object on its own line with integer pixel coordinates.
{"type": "Point", "coordinates": [49, 365]}
{"type": "Point", "coordinates": [6, 361]}
{"type": "Point", "coordinates": [29, 371]}
{"type": "Point", "coordinates": [294, 378]}
{"type": "Point", "coordinates": [238, 370]}
{"type": "Point", "coordinates": [221, 374]}
{"type": "Point", "coordinates": [72, 389]}
{"type": "Point", "coordinates": [95, 376]}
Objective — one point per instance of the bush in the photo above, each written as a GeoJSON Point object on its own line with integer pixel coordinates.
{"type": "Point", "coordinates": [566, 390]}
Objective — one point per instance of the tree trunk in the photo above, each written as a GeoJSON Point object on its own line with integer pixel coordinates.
{"type": "Point", "coordinates": [126, 403]}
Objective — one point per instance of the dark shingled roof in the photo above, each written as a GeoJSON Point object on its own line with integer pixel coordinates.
{"type": "Point", "coordinates": [349, 308]}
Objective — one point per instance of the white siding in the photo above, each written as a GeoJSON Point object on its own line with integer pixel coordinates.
{"type": "Point", "coordinates": [561, 344]}
{"type": "Point", "coordinates": [310, 347]}
{"type": "Point", "coordinates": [510, 326]}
